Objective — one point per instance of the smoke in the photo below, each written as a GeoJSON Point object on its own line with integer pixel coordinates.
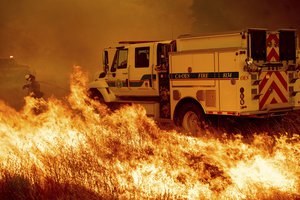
{"type": "Point", "coordinates": [212, 16]}
{"type": "Point", "coordinates": [52, 35]}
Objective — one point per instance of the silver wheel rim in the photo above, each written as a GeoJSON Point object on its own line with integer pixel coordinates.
{"type": "Point", "coordinates": [191, 122]}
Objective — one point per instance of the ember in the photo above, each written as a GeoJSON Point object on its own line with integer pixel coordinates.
{"type": "Point", "coordinates": [77, 148]}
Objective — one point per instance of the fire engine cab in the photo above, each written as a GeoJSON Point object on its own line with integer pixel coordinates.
{"type": "Point", "coordinates": [252, 73]}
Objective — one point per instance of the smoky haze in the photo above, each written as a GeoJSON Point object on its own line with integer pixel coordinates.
{"type": "Point", "coordinates": [51, 36]}
{"type": "Point", "coordinates": [225, 15]}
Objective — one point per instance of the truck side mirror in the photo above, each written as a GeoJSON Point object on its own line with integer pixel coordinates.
{"type": "Point", "coordinates": [102, 75]}
{"type": "Point", "coordinates": [105, 61]}
{"type": "Point", "coordinates": [105, 58]}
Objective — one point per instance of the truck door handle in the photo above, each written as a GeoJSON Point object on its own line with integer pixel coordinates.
{"type": "Point", "coordinates": [124, 73]}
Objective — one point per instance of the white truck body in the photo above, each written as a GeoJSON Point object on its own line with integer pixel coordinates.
{"type": "Point", "coordinates": [251, 73]}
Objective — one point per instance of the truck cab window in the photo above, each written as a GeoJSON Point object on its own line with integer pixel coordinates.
{"type": "Point", "coordinates": [142, 57]}
{"type": "Point", "coordinates": [120, 59]}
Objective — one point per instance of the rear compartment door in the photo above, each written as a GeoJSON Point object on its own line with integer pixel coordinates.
{"type": "Point", "coordinates": [273, 89]}
{"type": "Point", "coordinates": [227, 78]}
{"type": "Point", "coordinates": [196, 69]}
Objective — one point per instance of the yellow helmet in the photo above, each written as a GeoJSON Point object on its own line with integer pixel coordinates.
{"type": "Point", "coordinates": [29, 77]}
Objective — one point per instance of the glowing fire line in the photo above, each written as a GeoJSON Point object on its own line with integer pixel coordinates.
{"type": "Point", "coordinates": [124, 154]}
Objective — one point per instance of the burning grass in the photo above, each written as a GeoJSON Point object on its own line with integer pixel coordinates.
{"type": "Point", "coordinates": [76, 148]}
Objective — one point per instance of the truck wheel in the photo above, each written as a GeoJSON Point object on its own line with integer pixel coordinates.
{"type": "Point", "coordinates": [191, 118]}
{"type": "Point", "coordinates": [96, 95]}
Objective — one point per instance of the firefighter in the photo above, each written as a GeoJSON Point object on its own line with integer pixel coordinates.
{"type": "Point", "coordinates": [33, 86]}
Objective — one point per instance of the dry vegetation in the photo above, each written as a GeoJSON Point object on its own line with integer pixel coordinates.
{"type": "Point", "coordinates": [77, 149]}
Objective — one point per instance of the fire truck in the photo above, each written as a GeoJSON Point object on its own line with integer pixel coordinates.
{"type": "Point", "coordinates": [248, 73]}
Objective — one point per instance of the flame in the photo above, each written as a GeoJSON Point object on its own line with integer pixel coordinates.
{"type": "Point", "coordinates": [77, 148]}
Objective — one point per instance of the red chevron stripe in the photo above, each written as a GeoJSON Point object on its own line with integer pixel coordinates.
{"type": "Point", "coordinates": [279, 92]}
{"type": "Point", "coordinates": [272, 37]}
{"type": "Point", "coordinates": [273, 101]}
{"type": "Point", "coordinates": [264, 99]}
{"type": "Point", "coordinates": [281, 79]}
{"type": "Point", "coordinates": [267, 95]}
{"type": "Point", "coordinates": [273, 54]}
{"type": "Point", "coordinates": [264, 81]}
{"type": "Point", "coordinates": [279, 76]}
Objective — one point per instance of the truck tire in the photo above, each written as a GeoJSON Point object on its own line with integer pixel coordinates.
{"type": "Point", "coordinates": [96, 95]}
{"type": "Point", "coordinates": [191, 118]}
